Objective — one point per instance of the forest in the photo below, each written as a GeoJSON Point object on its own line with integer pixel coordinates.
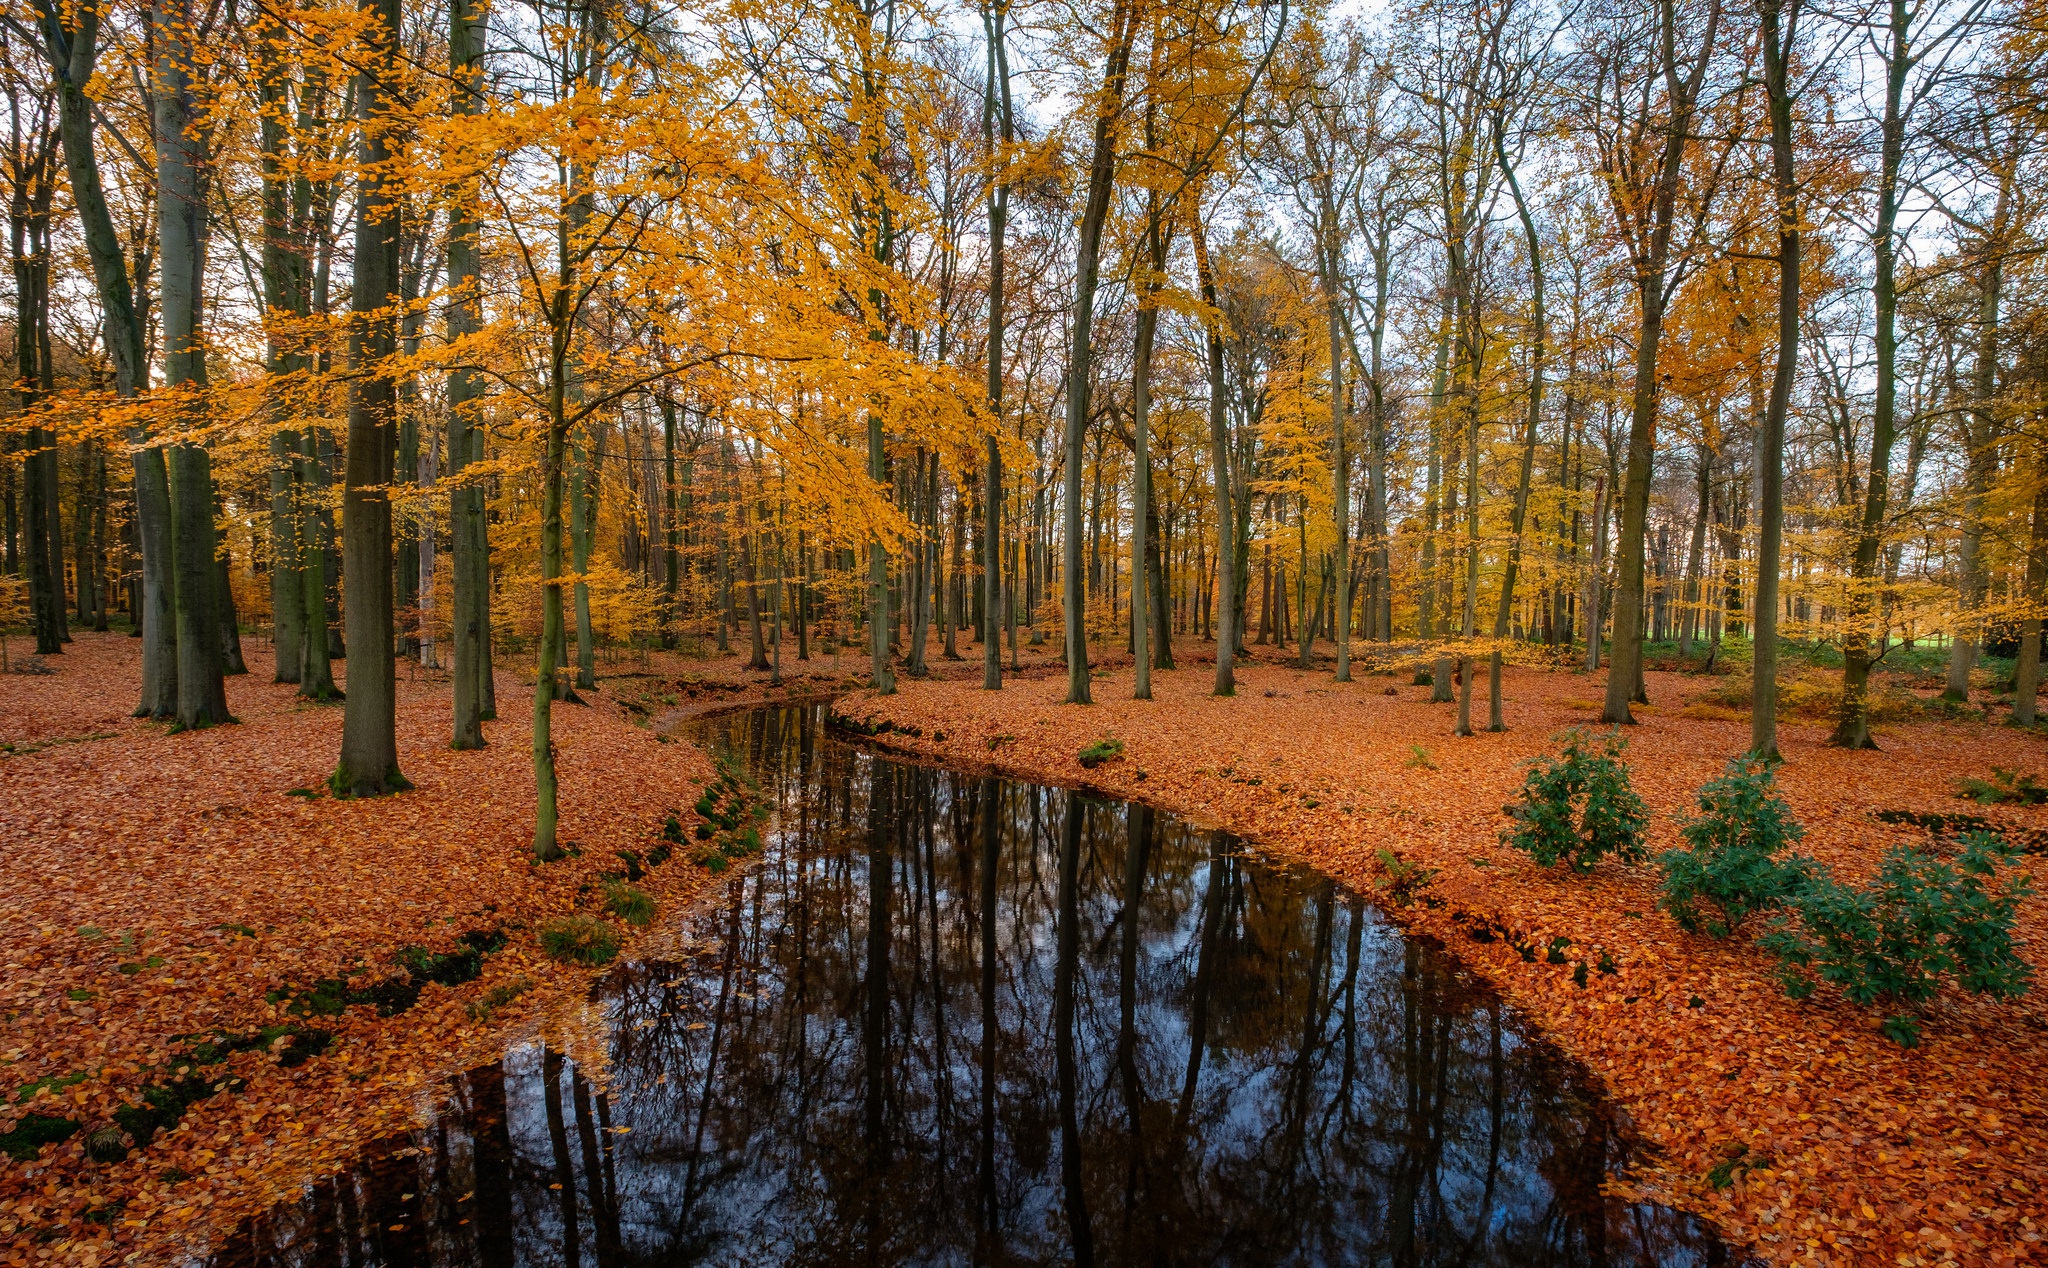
{"type": "Point", "coordinates": [496, 499]}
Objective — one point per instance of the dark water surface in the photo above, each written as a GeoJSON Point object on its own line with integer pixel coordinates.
{"type": "Point", "coordinates": [954, 1020]}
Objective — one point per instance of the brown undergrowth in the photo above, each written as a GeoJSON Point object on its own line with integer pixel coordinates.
{"type": "Point", "coordinates": [1797, 1126]}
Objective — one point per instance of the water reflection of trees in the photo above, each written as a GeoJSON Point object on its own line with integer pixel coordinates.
{"type": "Point", "coordinates": [933, 1026]}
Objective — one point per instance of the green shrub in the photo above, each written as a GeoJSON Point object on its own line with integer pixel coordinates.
{"type": "Point", "coordinates": [1577, 807]}
{"type": "Point", "coordinates": [1919, 922]}
{"type": "Point", "coordinates": [629, 904]}
{"type": "Point", "coordinates": [1730, 868]}
{"type": "Point", "coordinates": [579, 939]}
{"type": "Point", "coordinates": [2003, 786]}
{"type": "Point", "coordinates": [1099, 752]}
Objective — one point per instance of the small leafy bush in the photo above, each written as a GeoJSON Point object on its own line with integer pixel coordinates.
{"type": "Point", "coordinates": [1894, 942]}
{"type": "Point", "coordinates": [2003, 786]}
{"type": "Point", "coordinates": [579, 939]}
{"type": "Point", "coordinates": [629, 904]}
{"type": "Point", "coordinates": [1099, 752]}
{"type": "Point", "coordinates": [1730, 868]}
{"type": "Point", "coordinates": [1577, 807]}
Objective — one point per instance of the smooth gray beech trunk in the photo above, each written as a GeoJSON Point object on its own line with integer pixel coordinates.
{"type": "Point", "coordinates": [71, 45]}
{"type": "Point", "coordinates": [369, 737]}
{"type": "Point", "coordinates": [1087, 276]}
{"type": "Point", "coordinates": [995, 103]}
{"type": "Point", "coordinates": [1227, 633]}
{"type": "Point", "coordinates": [181, 188]}
{"type": "Point", "coordinates": [1778, 22]}
{"type": "Point", "coordinates": [1538, 348]}
{"type": "Point", "coordinates": [469, 622]}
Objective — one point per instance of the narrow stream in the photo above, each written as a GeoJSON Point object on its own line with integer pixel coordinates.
{"type": "Point", "coordinates": [960, 1020]}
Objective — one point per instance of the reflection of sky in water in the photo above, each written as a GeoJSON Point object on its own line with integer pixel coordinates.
{"type": "Point", "coordinates": [1353, 1098]}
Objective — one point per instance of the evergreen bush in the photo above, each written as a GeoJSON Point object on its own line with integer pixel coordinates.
{"type": "Point", "coordinates": [1895, 941]}
{"type": "Point", "coordinates": [1577, 807]}
{"type": "Point", "coordinates": [1730, 868]}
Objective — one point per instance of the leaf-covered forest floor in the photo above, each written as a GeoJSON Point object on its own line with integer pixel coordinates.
{"type": "Point", "coordinates": [1841, 1147]}
{"type": "Point", "coordinates": [190, 912]}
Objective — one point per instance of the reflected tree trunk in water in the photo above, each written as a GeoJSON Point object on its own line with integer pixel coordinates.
{"type": "Point", "coordinates": [987, 1235]}
{"type": "Point", "coordinates": [604, 1216]}
{"type": "Point", "coordinates": [1205, 981]}
{"type": "Point", "coordinates": [1063, 1032]}
{"type": "Point", "coordinates": [558, 1137]}
{"type": "Point", "coordinates": [492, 1161]}
{"type": "Point", "coordinates": [1135, 850]}
{"type": "Point", "coordinates": [875, 1020]}
{"type": "Point", "coordinates": [1354, 942]}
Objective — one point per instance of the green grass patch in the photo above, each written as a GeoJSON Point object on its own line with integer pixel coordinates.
{"type": "Point", "coordinates": [629, 904]}
{"type": "Point", "coordinates": [579, 939]}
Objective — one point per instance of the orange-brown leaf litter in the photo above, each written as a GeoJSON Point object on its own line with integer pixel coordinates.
{"type": "Point", "coordinates": [1876, 1154]}
{"type": "Point", "coordinates": [188, 859]}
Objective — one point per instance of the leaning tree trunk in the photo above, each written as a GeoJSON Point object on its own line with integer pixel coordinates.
{"type": "Point", "coordinates": [369, 736]}
{"type": "Point", "coordinates": [72, 46]}
{"type": "Point", "coordinates": [1087, 276]}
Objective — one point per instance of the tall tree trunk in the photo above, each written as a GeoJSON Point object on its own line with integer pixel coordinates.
{"type": "Point", "coordinates": [72, 45]}
{"type": "Point", "coordinates": [29, 220]}
{"type": "Point", "coordinates": [2026, 676]}
{"type": "Point", "coordinates": [369, 737]}
{"type": "Point", "coordinates": [1652, 263]}
{"type": "Point", "coordinates": [181, 233]}
{"type": "Point", "coordinates": [1538, 349]}
{"type": "Point", "coordinates": [995, 103]}
{"type": "Point", "coordinates": [1226, 614]}
{"type": "Point", "coordinates": [1095, 214]}
{"type": "Point", "coordinates": [468, 526]}
{"type": "Point", "coordinates": [1141, 451]}
{"type": "Point", "coordinates": [1779, 21]}
{"type": "Point", "coordinates": [1852, 727]}
{"type": "Point", "coordinates": [1340, 460]}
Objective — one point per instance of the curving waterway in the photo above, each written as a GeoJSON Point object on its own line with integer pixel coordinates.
{"type": "Point", "coordinates": [951, 1019]}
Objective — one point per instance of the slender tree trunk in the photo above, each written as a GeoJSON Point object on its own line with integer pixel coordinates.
{"type": "Point", "coordinates": [1226, 610]}
{"type": "Point", "coordinates": [468, 529]}
{"type": "Point", "coordinates": [1094, 215]}
{"type": "Point", "coordinates": [2026, 676]}
{"type": "Point", "coordinates": [1340, 459]}
{"type": "Point", "coordinates": [1141, 452]}
{"type": "Point", "coordinates": [1538, 349]}
{"type": "Point", "coordinates": [1852, 728]}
